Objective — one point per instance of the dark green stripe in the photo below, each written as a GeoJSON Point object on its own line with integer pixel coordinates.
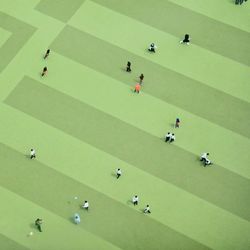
{"type": "Point", "coordinates": [9, 244]}
{"type": "Point", "coordinates": [177, 166]}
{"type": "Point", "coordinates": [124, 227]}
{"type": "Point", "coordinates": [62, 10]}
{"type": "Point", "coordinates": [176, 20]}
{"type": "Point", "coordinates": [21, 32]}
{"type": "Point", "coordinates": [185, 93]}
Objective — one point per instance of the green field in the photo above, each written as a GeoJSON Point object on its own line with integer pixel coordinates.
{"type": "Point", "coordinates": [85, 121]}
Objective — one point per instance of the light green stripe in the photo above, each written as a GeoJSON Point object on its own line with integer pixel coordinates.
{"type": "Point", "coordinates": [52, 144]}
{"type": "Point", "coordinates": [18, 215]}
{"type": "Point", "coordinates": [194, 62]}
{"type": "Point", "coordinates": [223, 11]}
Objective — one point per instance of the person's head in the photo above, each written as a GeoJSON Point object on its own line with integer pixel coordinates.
{"type": "Point", "coordinates": [45, 68]}
{"type": "Point", "coordinates": [152, 45]}
{"type": "Point", "coordinates": [168, 133]}
{"type": "Point", "coordinates": [85, 201]}
{"type": "Point", "coordinates": [173, 134]}
{"type": "Point", "coordinates": [207, 153]}
{"type": "Point", "coordinates": [147, 205]}
{"type": "Point", "coordinates": [187, 36]}
{"type": "Point", "coordinates": [32, 149]}
{"type": "Point", "coordinates": [135, 196]}
{"type": "Point", "coordinates": [48, 50]}
{"type": "Point", "coordinates": [118, 169]}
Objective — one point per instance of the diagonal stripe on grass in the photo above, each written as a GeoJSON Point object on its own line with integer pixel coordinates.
{"type": "Point", "coordinates": [176, 20]}
{"type": "Point", "coordinates": [194, 62]}
{"type": "Point", "coordinates": [95, 168]}
{"type": "Point", "coordinates": [107, 218]}
{"type": "Point", "coordinates": [174, 88]}
{"type": "Point", "coordinates": [133, 145]}
{"type": "Point", "coordinates": [62, 10]}
{"type": "Point", "coordinates": [9, 244]}
{"type": "Point", "coordinates": [232, 15]}
{"type": "Point", "coordinates": [149, 113]}
{"type": "Point", "coordinates": [17, 224]}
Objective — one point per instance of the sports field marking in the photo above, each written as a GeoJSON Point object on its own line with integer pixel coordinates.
{"type": "Point", "coordinates": [149, 113]}
{"type": "Point", "coordinates": [141, 149]}
{"type": "Point", "coordinates": [165, 84]}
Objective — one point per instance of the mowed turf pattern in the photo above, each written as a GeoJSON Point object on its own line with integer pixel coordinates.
{"type": "Point", "coordinates": [85, 121]}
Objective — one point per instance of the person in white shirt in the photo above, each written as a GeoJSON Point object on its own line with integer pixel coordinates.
{"type": "Point", "coordinates": [135, 200]}
{"type": "Point", "coordinates": [168, 136]}
{"type": "Point", "coordinates": [85, 205]}
{"type": "Point", "coordinates": [32, 153]}
{"type": "Point", "coordinates": [77, 218]}
{"type": "Point", "coordinates": [204, 157]}
{"type": "Point", "coordinates": [172, 138]}
{"type": "Point", "coordinates": [118, 173]}
{"type": "Point", "coordinates": [152, 47]}
{"type": "Point", "coordinates": [207, 162]}
{"type": "Point", "coordinates": [147, 210]}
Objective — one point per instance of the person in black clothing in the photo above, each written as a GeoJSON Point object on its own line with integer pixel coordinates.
{"type": "Point", "coordinates": [38, 224]}
{"type": "Point", "coordinates": [47, 54]}
{"type": "Point", "coordinates": [186, 39]}
{"type": "Point", "coordinates": [141, 78]}
{"type": "Point", "coordinates": [129, 66]}
{"type": "Point", "coordinates": [45, 71]}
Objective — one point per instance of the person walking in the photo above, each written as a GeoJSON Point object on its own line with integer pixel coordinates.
{"type": "Point", "coordinates": [186, 39]}
{"type": "Point", "coordinates": [77, 218]}
{"type": "Point", "coordinates": [207, 162]}
{"type": "Point", "coordinates": [32, 153]}
{"type": "Point", "coordinates": [118, 173]}
{"type": "Point", "coordinates": [141, 77]}
{"type": "Point", "coordinates": [38, 224]}
{"type": "Point", "coordinates": [177, 123]}
{"type": "Point", "coordinates": [45, 71]}
{"type": "Point", "coordinates": [172, 138]}
{"type": "Point", "coordinates": [135, 200]}
{"type": "Point", "coordinates": [85, 205]}
{"type": "Point", "coordinates": [47, 53]}
{"type": "Point", "coordinates": [147, 210]}
{"type": "Point", "coordinates": [152, 47]}
{"type": "Point", "coordinates": [204, 157]}
{"type": "Point", "coordinates": [168, 136]}
{"type": "Point", "coordinates": [137, 88]}
{"type": "Point", "coordinates": [128, 69]}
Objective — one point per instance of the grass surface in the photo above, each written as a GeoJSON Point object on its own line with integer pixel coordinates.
{"type": "Point", "coordinates": [84, 121]}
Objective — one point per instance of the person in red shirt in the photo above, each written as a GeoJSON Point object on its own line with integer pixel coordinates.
{"type": "Point", "coordinates": [137, 88]}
